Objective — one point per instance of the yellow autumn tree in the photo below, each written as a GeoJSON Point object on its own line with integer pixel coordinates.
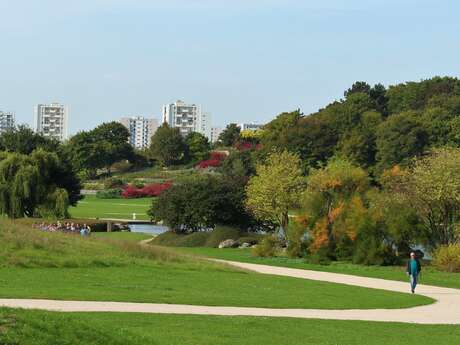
{"type": "Point", "coordinates": [276, 188]}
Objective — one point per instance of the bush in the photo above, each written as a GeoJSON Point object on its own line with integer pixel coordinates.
{"type": "Point", "coordinates": [122, 166]}
{"type": "Point", "coordinates": [344, 248]}
{"type": "Point", "coordinates": [210, 239]}
{"type": "Point", "coordinates": [372, 247]}
{"type": "Point", "coordinates": [447, 258]}
{"type": "Point", "coordinates": [297, 245]}
{"type": "Point", "coordinates": [93, 186]}
{"type": "Point", "coordinates": [139, 184]}
{"type": "Point", "coordinates": [109, 193]}
{"type": "Point", "coordinates": [268, 247]}
{"type": "Point", "coordinates": [113, 183]}
{"type": "Point", "coordinates": [214, 161]}
{"type": "Point", "coordinates": [151, 190]}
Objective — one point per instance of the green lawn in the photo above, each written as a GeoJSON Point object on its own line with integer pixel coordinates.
{"type": "Point", "coordinates": [122, 236]}
{"type": "Point", "coordinates": [92, 207]}
{"type": "Point", "coordinates": [429, 275]}
{"type": "Point", "coordinates": [183, 283]}
{"type": "Point", "coordinates": [48, 328]}
{"type": "Point", "coordinates": [54, 265]}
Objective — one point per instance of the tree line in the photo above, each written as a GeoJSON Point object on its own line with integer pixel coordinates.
{"type": "Point", "coordinates": [366, 178]}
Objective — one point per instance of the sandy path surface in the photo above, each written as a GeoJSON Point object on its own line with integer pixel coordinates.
{"type": "Point", "coordinates": [445, 311]}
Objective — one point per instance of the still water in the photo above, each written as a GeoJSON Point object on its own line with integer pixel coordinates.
{"type": "Point", "coordinates": [148, 228]}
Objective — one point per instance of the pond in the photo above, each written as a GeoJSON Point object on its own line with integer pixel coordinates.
{"type": "Point", "coordinates": [153, 229]}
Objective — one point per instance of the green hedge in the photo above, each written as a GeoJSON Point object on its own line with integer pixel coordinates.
{"type": "Point", "coordinates": [109, 193]}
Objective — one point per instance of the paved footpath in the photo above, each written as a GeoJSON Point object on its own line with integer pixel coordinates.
{"type": "Point", "coordinates": [446, 309]}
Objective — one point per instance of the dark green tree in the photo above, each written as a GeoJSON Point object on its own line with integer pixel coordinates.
{"type": "Point", "coordinates": [400, 138]}
{"type": "Point", "coordinates": [275, 129]}
{"type": "Point", "coordinates": [22, 139]}
{"type": "Point", "coordinates": [168, 146]}
{"type": "Point", "coordinates": [100, 147]}
{"type": "Point", "coordinates": [111, 140]}
{"type": "Point", "coordinates": [358, 87]}
{"type": "Point", "coordinates": [358, 145]}
{"type": "Point", "coordinates": [239, 164]}
{"type": "Point", "coordinates": [198, 146]}
{"type": "Point", "coordinates": [202, 202]}
{"type": "Point", "coordinates": [230, 135]}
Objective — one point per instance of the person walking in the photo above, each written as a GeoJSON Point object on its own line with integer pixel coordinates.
{"type": "Point", "coordinates": [413, 270]}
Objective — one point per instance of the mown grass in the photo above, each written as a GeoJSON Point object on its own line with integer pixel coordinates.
{"type": "Point", "coordinates": [429, 276]}
{"type": "Point", "coordinates": [59, 266]}
{"type": "Point", "coordinates": [93, 207]}
{"type": "Point", "coordinates": [48, 328]}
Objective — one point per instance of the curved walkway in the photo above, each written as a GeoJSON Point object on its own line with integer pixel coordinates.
{"type": "Point", "coordinates": [446, 309]}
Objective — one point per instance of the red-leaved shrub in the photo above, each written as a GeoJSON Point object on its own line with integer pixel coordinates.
{"type": "Point", "coordinates": [151, 190]}
{"type": "Point", "coordinates": [214, 161]}
{"type": "Point", "coordinates": [244, 145]}
{"type": "Point", "coordinates": [247, 145]}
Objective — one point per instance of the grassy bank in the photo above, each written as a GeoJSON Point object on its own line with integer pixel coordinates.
{"type": "Point", "coordinates": [205, 239]}
{"type": "Point", "coordinates": [429, 275]}
{"type": "Point", "coordinates": [59, 266]}
{"type": "Point", "coordinates": [93, 207]}
{"type": "Point", "coordinates": [47, 328]}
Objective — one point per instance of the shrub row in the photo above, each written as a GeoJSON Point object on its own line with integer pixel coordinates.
{"type": "Point", "coordinates": [151, 190]}
{"type": "Point", "coordinates": [109, 193]}
{"type": "Point", "coordinates": [214, 161]}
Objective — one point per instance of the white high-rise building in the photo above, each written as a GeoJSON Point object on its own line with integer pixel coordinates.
{"type": "Point", "coordinates": [187, 117]}
{"type": "Point", "coordinates": [215, 132]}
{"type": "Point", "coordinates": [204, 125]}
{"type": "Point", "coordinates": [51, 120]}
{"type": "Point", "coordinates": [250, 126]}
{"type": "Point", "coordinates": [6, 121]}
{"type": "Point", "coordinates": [141, 130]}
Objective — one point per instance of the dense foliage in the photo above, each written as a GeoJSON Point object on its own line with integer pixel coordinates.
{"type": "Point", "coordinates": [198, 146]}
{"type": "Point", "coordinates": [100, 148]}
{"type": "Point", "coordinates": [230, 135]}
{"type": "Point", "coordinates": [373, 127]}
{"type": "Point", "coordinates": [168, 147]}
{"type": "Point", "coordinates": [432, 188]}
{"type": "Point", "coordinates": [215, 160]}
{"type": "Point", "coordinates": [276, 189]}
{"type": "Point", "coordinates": [22, 139]}
{"type": "Point", "coordinates": [33, 185]}
{"type": "Point", "coordinates": [202, 202]}
{"type": "Point", "coordinates": [150, 190]}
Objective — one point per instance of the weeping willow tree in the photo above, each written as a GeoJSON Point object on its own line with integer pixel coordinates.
{"type": "Point", "coordinates": [29, 186]}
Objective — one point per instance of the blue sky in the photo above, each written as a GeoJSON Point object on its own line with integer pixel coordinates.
{"type": "Point", "coordinates": [242, 60]}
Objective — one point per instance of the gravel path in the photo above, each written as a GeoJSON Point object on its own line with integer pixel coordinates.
{"type": "Point", "coordinates": [445, 311]}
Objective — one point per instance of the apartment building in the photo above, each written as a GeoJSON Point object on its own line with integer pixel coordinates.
{"type": "Point", "coordinates": [51, 120]}
{"type": "Point", "coordinates": [187, 117]}
{"type": "Point", "coordinates": [250, 126]}
{"type": "Point", "coordinates": [141, 130]}
{"type": "Point", "coordinates": [7, 120]}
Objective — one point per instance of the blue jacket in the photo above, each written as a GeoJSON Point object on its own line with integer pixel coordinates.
{"type": "Point", "coordinates": [419, 266]}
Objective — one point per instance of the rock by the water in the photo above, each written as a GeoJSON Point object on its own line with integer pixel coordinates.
{"type": "Point", "coordinates": [228, 244]}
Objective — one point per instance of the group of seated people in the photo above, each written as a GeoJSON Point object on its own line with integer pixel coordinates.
{"type": "Point", "coordinates": [73, 228]}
